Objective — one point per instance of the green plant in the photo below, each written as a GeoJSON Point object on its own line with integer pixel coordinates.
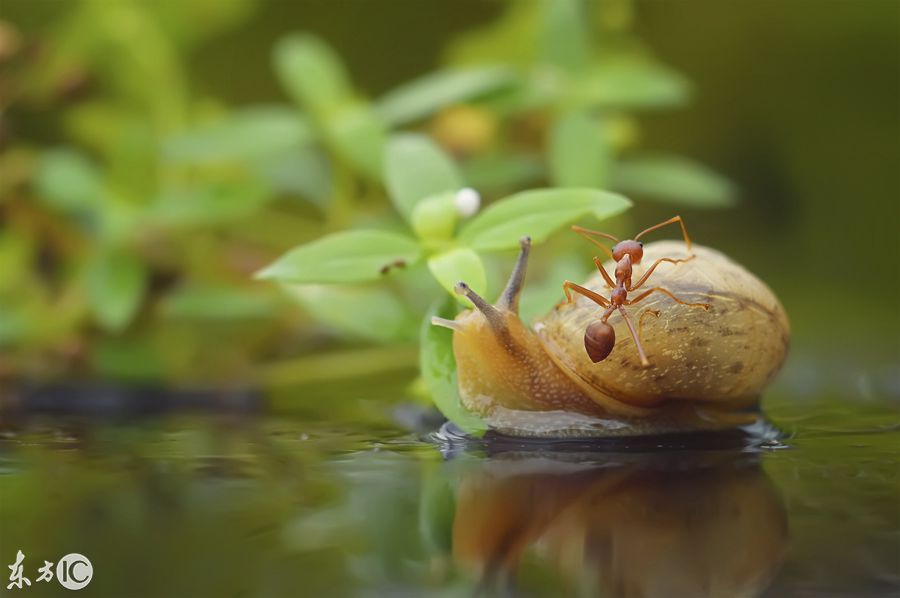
{"type": "Point", "coordinates": [578, 96]}
{"type": "Point", "coordinates": [147, 205]}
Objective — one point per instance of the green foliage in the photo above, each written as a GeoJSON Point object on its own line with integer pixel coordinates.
{"type": "Point", "coordinates": [246, 135]}
{"type": "Point", "coordinates": [425, 96]}
{"type": "Point", "coordinates": [374, 313]}
{"type": "Point", "coordinates": [315, 78]}
{"type": "Point", "coordinates": [150, 205]}
{"type": "Point", "coordinates": [458, 264]}
{"type": "Point", "coordinates": [675, 179]}
{"type": "Point", "coordinates": [312, 73]}
{"type": "Point", "coordinates": [537, 213]}
{"type": "Point", "coordinates": [67, 181]}
{"type": "Point", "coordinates": [351, 256]}
{"type": "Point", "coordinates": [415, 168]}
{"type": "Point", "coordinates": [579, 153]}
{"type": "Point", "coordinates": [116, 281]}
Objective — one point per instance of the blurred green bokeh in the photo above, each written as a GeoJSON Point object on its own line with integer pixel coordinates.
{"type": "Point", "coordinates": [156, 154]}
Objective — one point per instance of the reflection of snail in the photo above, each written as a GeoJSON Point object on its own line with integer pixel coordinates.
{"type": "Point", "coordinates": [648, 526]}
{"type": "Point", "coordinates": [708, 369]}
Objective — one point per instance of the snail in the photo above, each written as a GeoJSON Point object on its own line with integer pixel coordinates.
{"type": "Point", "coordinates": [716, 336]}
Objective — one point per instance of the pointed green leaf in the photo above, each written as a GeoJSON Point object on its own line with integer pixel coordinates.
{"type": "Point", "coordinates": [538, 214]}
{"type": "Point", "coordinates": [350, 256]}
{"type": "Point", "coordinates": [674, 179]}
{"type": "Point", "coordinates": [303, 171]}
{"type": "Point", "coordinates": [116, 281]}
{"type": "Point", "coordinates": [359, 137]}
{"type": "Point", "coordinates": [426, 95]}
{"type": "Point", "coordinates": [247, 134]}
{"type": "Point", "coordinates": [579, 155]}
{"type": "Point", "coordinates": [222, 303]}
{"type": "Point", "coordinates": [438, 367]}
{"type": "Point", "coordinates": [311, 72]}
{"type": "Point", "coordinates": [565, 42]}
{"type": "Point", "coordinates": [506, 170]}
{"type": "Point", "coordinates": [634, 84]}
{"type": "Point", "coordinates": [416, 168]}
{"type": "Point", "coordinates": [460, 264]}
{"type": "Point", "coordinates": [208, 204]}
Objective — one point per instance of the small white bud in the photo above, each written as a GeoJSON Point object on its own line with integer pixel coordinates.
{"type": "Point", "coordinates": [467, 202]}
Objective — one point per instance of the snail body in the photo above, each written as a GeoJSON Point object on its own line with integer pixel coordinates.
{"type": "Point", "coordinates": [707, 367]}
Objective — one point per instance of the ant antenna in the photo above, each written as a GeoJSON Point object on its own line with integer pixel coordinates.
{"type": "Point", "coordinates": [586, 233]}
{"type": "Point", "coordinates": [687, 239]}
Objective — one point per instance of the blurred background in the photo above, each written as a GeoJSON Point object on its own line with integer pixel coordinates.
{"type": "Point", "coordinates": [156, 154]}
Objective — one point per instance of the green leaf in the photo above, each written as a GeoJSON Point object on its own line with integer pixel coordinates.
{"type": "Point", "coordinates": [371, 312]}
{"type": "Point", "coordinates": [350, 256]}
{"type": "Point", "coordinates": [116, 281]}
{"type": "Point", "coordinates": [302, 171]}
{"type": "Point", "coordinates": [434, 218]}
{"type": "Point", "coordinates": [564, 40]}
{"type": "Point", "coordinates": [416, 168]}
{"type": "Point", "coordinates": [674, 179]}
{"type": "Point", "coordinates": [537, 213]}
{"type": "Point", "coordinates": [634, 84]}
{"type": "Point", "coordinates": [507, 170]}
{"type": "Point", "coordinates": [460, 264]}
{"type": "Point", "coordinates": [314, 76]}
{"type": "Point", "coordinates": [248, 134]}
{"type": "Point", "coordinates": [359, 137]}
{"type": "Point", "coordinates": [216, 303]}
{"type": "Point", "coordinates": [311, 73]}
{"type": "Point", "coordinates": [438, 367]}
{"type": "Point", "coordinates": [208, 204]}
{"type": "Point", "coordinates": [68, 181]}
{"type": "Point", "coordinates": [579, 155]}
{"type": "Point", "coordinates": [426, 95]}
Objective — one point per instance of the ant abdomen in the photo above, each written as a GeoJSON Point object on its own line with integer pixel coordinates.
{"type": "Point", "coordinates": [599, 340]}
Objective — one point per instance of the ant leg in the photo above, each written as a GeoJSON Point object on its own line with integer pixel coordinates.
{"type": "Point", "coordinates": [586, 233]}
{"type": "Point", "coordinates": [687, 239]}
{"type": "Point", "coordinates": [606, 277]}
{"type": "Point", "coordinates": [570, 286]}
{"type": "Point", "coordinates": [634, 335]}
{"type": "Point", "coordinates": [644, 295]}
{"type": "Point", "coordinates": [650, 270]}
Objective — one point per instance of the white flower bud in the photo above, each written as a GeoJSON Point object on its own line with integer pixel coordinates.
{"type": "Point", "coordinates": [467, 202]}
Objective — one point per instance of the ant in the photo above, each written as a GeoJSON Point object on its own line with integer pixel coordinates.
{"type": "Point", "coordinates": [599, 337]}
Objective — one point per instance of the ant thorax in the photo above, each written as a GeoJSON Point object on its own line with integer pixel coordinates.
{"type": "Point", "coordinates": [623, 269]}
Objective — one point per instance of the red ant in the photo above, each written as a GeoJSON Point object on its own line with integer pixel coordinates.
{"type": "Point", "coordinates": [599, 337]}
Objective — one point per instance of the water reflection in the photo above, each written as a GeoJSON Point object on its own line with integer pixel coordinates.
{"type": "Point", "coordinates": [692, 524]}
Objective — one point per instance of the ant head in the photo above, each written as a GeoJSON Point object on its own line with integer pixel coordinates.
{"type": "Point", "coordinates": [633, 248]}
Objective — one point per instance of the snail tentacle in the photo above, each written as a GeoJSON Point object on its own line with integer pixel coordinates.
{"type": "Point", "coordinates": [493, 315]}
{"type": "Point", "coordinates": [445, 323]}
{"type": "Point", "coordinates": [509, 299]}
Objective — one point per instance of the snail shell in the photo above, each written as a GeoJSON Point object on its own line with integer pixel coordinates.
{"type": "Point", "coordinates": [724, 355]}
{"type": "Point", "coordinates": [707, 369]}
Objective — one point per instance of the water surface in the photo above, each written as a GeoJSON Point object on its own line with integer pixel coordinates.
{"type": "Point", "coordinates": [274, 506]}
